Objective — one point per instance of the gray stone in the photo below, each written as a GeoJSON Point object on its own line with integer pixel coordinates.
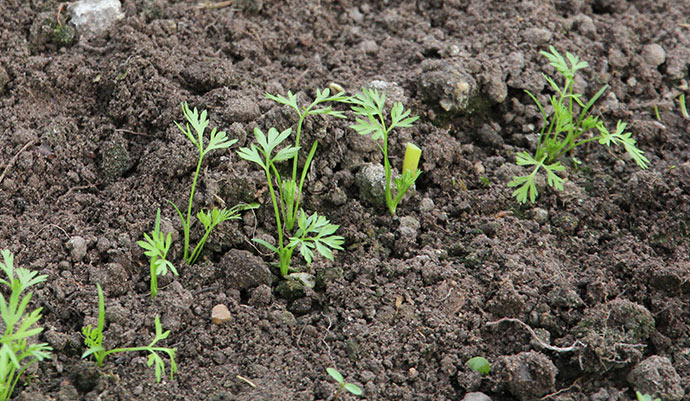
{"type": "Point", "coordinates": [369, 47]}
{"type": "Point", "coordinates": [243, 270]}
{"type": "Point", "coordinates": [654, 55]}
{"type": "Point", "coordinates": [476, 397]}
{"type": "Point", "coordinates": [449, 86]}
{"type": "Point", "coordinates": [657, 377]}
{"type": "Point", "coordinates": [426, 205]}
{"type": "Point", "coordinates": [371, 180]}
{"type": "Point", "coordinates": [537, 36]}
{"type": "Point", "coordinates": [529, 375]}
{"type": "Point", "coordinates": [77, 247]}
{"type": "Point", "coordinates": [92, 17]}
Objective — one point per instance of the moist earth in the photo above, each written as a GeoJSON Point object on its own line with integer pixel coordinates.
{"type": "Point", "coordinates": [582, 295]}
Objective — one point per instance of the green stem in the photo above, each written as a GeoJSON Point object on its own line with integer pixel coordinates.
{"type": "Point", "coordinates": [284, 264]}
{"type": "Point", "coordinates": [187, 227]}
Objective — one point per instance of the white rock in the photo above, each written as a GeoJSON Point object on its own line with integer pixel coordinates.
{"type": "Point", "coordinates": [91, 17]}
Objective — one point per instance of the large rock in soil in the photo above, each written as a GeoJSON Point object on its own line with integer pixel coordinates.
{"type": "Point", "coordinates": [528, 375]}
{"type": "Point", "coordinates": [657, 377]}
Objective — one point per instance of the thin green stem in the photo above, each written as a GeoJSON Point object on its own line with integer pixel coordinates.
{"type": "Point", "coordinates": [187, 226]}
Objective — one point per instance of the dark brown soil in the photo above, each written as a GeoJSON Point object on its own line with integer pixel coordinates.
{"type": "Point", "coordinates": [603, 265]}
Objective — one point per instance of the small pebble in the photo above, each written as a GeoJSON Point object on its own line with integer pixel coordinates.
{"type": "Point", "coordinates": [77, 246]}
{"type": "Point", "coordinates": [654, 55]}
{"type": "Point", "coordinates": [220, 314]}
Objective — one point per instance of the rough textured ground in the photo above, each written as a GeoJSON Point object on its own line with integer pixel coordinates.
{"type": "Point", "coordinates": [603, 265]}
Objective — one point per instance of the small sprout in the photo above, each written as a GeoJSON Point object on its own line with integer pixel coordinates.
{"type": "Point", "coordinates": [563, 131]}
{"type": "Point", "coordinates": [683, 108]}
{"type": "Point", "coordinates": [656, 113]}
{"type": "Point", "coordinates": [19, 351]}
{"type": "Point", "coordinates": [411, 160]}
{"type": "Point", "coordinates": [156, 248]}
{"type": "Point", "coordinates": [93, 339]}
{"type": "Point", "coordinates": [645, 397]}
{"type": "Point", "coordinates": [369, 104]}
{"type": "Point", "coordinates": [479, 364]}
{"type": "Point", "coordinates": [342, 384]}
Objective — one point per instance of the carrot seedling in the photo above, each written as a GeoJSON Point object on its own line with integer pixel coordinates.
{"type": "Point", "coordinates": [93, 339]}
{"type": "Point", "coordinates": [292, 190]}
{"type": "Point", "coordinates": [352, 388]}
{"type": "Point", "coordinates": [209, 219]}
{"type": "Point", "coordinates": [156, 247]}
{"type": "Point", "coordinates": [369, 104]}
{"type": "Point", "coordinates": [564, 130]}
{"type": "Point", "coordinates": [315, 231]}
{"type": "Point", "coordinates": [18, 351]}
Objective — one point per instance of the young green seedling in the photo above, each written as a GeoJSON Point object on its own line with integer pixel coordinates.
{"type": "Point", "coordinates": [291, 190]}
{"type": "Point", "coordinates": [645, 397]}
{"type": "Point", "coordinates": [209, 219]}
{"type": "Point", "coordinates": [565, 129]}
{"type": "Point", "coordinates": [156, 248]}
{"type": "Point", "coordinates": [314, 232]}
{"type": "Point", "coordinates": [93, 339]}
{"type": "Point", "coordinates": [683, 107]}
{"type": "Point", "coordinates": [479, 364]}
{"type": "Point", "coordinates": [352, 388]}
{"type": "Point", "coordinates": [369, 104]}
{"type": "Point", "coordinates": [18, 352]}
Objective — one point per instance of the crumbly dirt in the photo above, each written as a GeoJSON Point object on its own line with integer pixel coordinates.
{"type": "Point", "coordinates": [600, 271]}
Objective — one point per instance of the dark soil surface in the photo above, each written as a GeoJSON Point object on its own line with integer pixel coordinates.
{"type": "Point", "coordinates": [600, 271]}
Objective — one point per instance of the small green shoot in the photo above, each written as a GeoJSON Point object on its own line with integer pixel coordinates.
{"type": "Point", "coordinates": [369, 104]}
{"type": "Point", "coordinates": [479, 364]}
{"type": "Point", "coordinates": [156, 247]}
{"type": "Point", "coordinates": [645, 397]}
{"type": "Point", "coordinates": [342, 384]}
{"type": "Point", "coordinates": [314, 232]}
{"type": "Point", "coordinates": [563, 131]}
{"type": "Point", "coordinates": [93, 339]}
{"type": "Point", "coordinates": [292, 191]}
{"type": "Point", "coordinates": [683, 108]}
{"type": "Point", "coordinates": [18, 351]}
{"type": "Point", "coordinates": [209, 219]}
{"type": "Point", "coordinates": [656, 113]}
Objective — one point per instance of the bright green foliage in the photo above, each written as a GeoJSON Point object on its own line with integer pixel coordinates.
{"type": "Point", "coordinates": [352, 388]}
{"type": "Point", "coordinates": [645, 397]}
{"type": "Point", "coordinates": [210, 219]}
{"type": "Point", "coordinates": [369, 105]}
{"type": "Point", "coordinates": [479, 364]}
{"type": "Point", "coordinates": [565, 129]}
{"type": "Point", "coordinates": [314, 232]}
{"type": "Point", "coordinates": [18, 352]}
{"type": "Point", "coordinates": [156, 247]}
{"type": "Point", "coordinates": [93, 339]}
{"type": "Point", "coordinates": [292, 191]}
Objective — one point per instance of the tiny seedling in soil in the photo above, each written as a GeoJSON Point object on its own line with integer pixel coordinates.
{"type": "Point", "coordinates": [369, 104]}
{"type": "Point", "coordinates": [93, 339]}
{"type": "Point", "coordinates": [156, 247]}
{"type": "Point", "coordinates": [479, 364]}
{"type": "Point", "coordinates": [645, 397]}
{"type": "Point", "coordinates": [683, 107]}
{"type": "Point", "coordinates": [565, 130]}
{"type": "Point", "coordinates": [18, 351]}
{"type": "Point", "coordinates": [342, 384]}
{"type": "Point", "coordinates": [291, 190]}
{"type": "Point", "coordinates": [209, 219]}
{"type": "Point", "coordinates": [313, 231]}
